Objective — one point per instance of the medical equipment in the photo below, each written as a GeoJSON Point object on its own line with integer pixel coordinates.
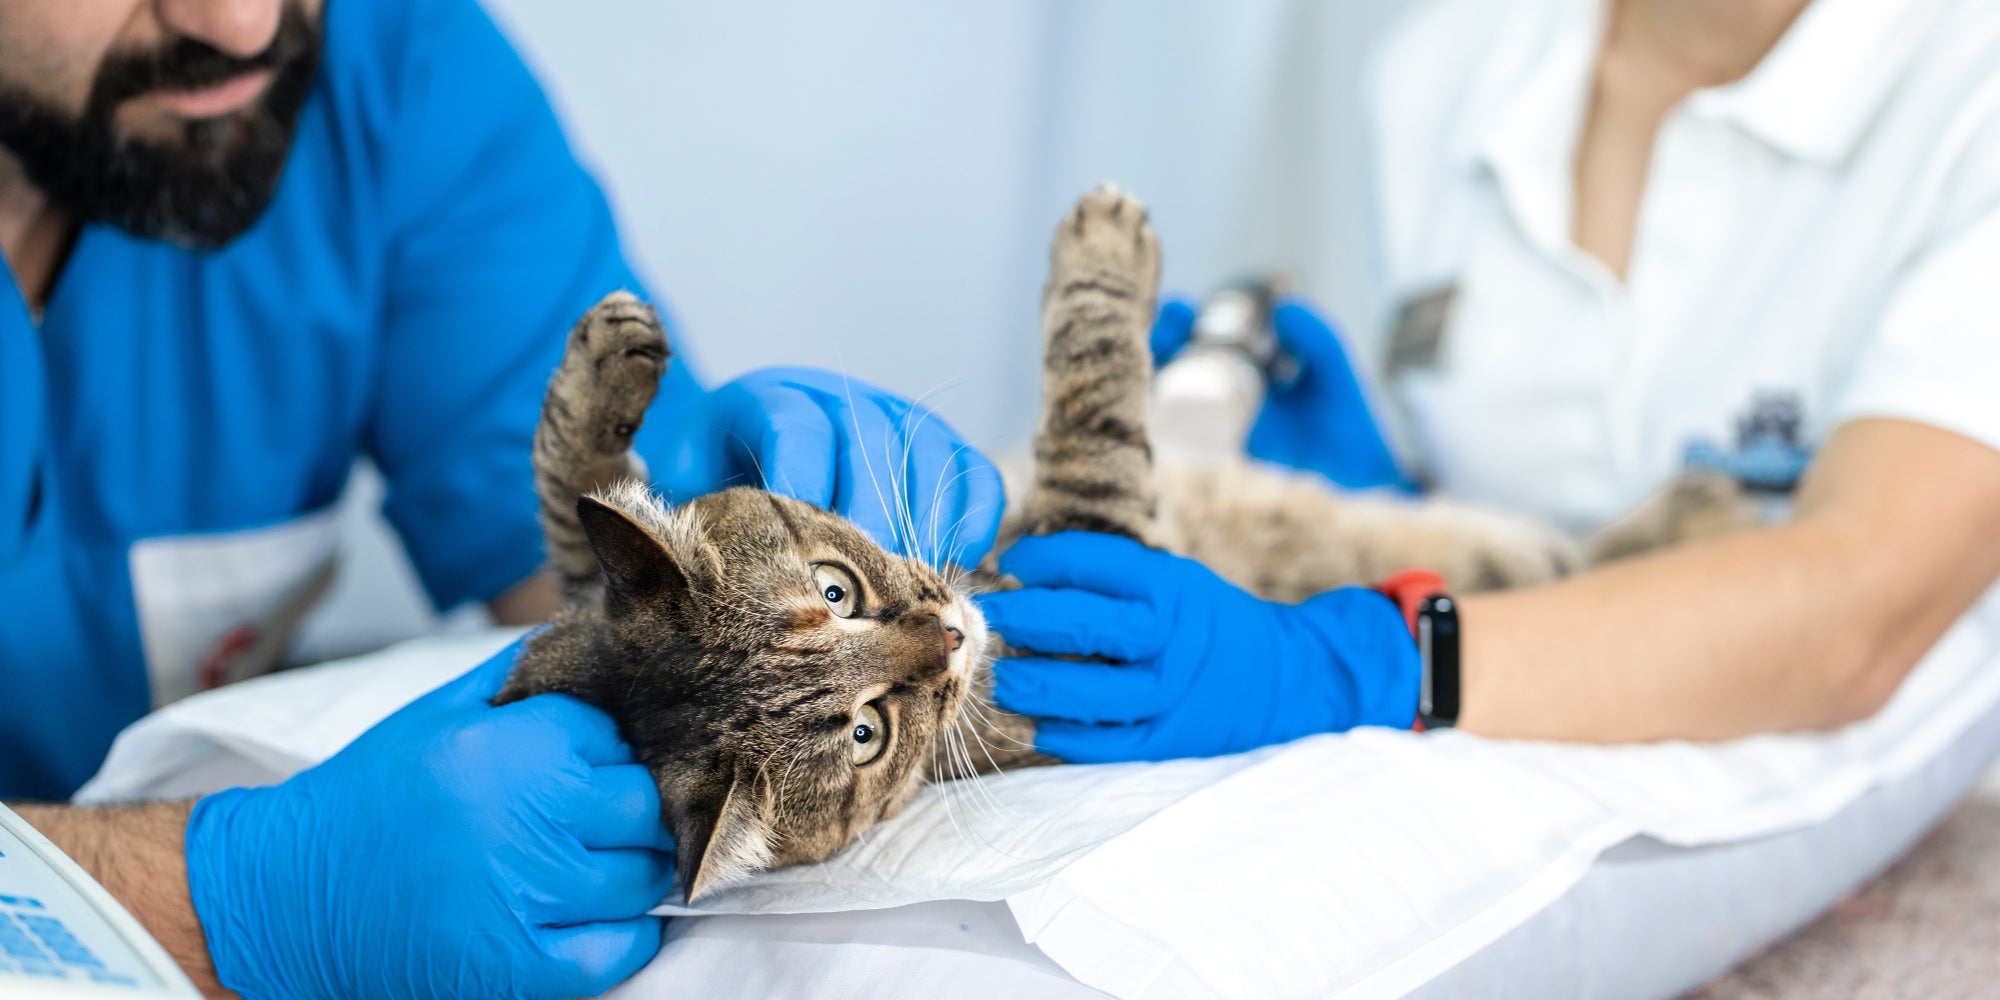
{"type": "Point", "coordinates": [62, 936]}
{"type": "Point", "coordinates": [1207, 397]}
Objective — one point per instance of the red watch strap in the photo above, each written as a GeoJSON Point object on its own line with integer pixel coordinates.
{"type": "Point", "coordinates": [1408, 590]}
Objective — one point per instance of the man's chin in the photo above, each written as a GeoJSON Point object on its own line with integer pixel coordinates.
{"type": "Point", "coordinates": [199, 182]}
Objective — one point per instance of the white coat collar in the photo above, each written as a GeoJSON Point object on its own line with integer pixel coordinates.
{"type": "Point", "coordinates": [1813, 97]}
{"type": "Point", "coordinates": [1816, 93]}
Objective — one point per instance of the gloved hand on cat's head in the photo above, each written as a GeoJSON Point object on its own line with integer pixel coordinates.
{"type": "Point", "coordinates": [1196, 665]}
{"type": "Point", "coordinates": [454, 850]}
{"type": "Point", "coordinates": [891, 466]}
{"type": "Point", "coordinates": [1320, 421]}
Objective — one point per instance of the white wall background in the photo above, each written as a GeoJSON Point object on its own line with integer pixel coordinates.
{"type": "Point", "coordinates": [869, 185]}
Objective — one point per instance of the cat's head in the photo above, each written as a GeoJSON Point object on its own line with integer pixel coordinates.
{"type": "Point", "coordinates": [784, 676]}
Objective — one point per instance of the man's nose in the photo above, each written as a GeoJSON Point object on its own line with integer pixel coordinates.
{"type": "Point", "coordinates": [241, 28]}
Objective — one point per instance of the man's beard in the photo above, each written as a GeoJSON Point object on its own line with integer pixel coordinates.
{"type": "Point", "coordinates": [201, 192]}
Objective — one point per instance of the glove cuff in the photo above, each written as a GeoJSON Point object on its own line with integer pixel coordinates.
{"type": "Point", "coordinates": [222, 854]}
{"type": "Point", "coordinates": [1368, 650]}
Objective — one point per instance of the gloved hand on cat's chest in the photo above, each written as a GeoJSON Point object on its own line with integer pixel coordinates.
{"type": "Point", "coordinates": [1186, 664]}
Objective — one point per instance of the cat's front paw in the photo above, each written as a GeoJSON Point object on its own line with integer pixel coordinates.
{"type": "Point", "coordinates": [617, 353]}
{"type": "Point", "coordinates": [1106, 245]}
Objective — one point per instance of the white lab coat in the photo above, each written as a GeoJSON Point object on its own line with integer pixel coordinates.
{"type": "Point", "coordinates": [1827, 227]}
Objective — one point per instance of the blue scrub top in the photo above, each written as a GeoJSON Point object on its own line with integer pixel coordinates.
{"type": "Point", "coordinates": [405, 296]}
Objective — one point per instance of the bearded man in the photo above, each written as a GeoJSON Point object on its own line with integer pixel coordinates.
{"type": "Point", "coordinates": [252, 241]}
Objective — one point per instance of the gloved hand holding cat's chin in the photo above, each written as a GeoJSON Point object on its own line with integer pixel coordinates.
{"type": "Point", "coordinates": [1320, 421]}
{"type": "Point", "coordinates": [1197, 666]}
{"type": "Point", "coordinates": [894, 468]}
{"type": "Point", "coordinates": [454, 850]}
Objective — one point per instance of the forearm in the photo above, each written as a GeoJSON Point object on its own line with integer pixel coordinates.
{"type": "Point", "coordinates": [1807, 625]}
{"type": "Point", "coordinates": [136, 853]}
{"type": "Point", "coordinates": [1744, 634]}
{"type": "Point", "coordinates": [530, 602]}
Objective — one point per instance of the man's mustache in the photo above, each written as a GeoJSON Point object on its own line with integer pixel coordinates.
{"type": "Point", "coordinates": [187, 64]}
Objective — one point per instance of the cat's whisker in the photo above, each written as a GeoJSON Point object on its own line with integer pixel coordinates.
{"type": "Point", "coordinates": [901, 494]}
{"type": "Point", "coordinates": [975, 777]}
{"type": "Point", "coordinates": [953, 544]}
{"type": "Point", "coordinates": [982, 805]}
{"type": "Point", "coordinates": [909, 434]}
{"type": "Point", "coordinates": [944, 796]}
{"type": "Point", "coordinates": [936, 561]}
{"type": "Point", "coordinates": [763, 481]}
{"type": "Point", "coordinates": [868, 462]}
{"type": "Point", "coordinates": [985, 748]}
{"type": "Point", "coordinates": [978, 707]}
{"type": "Point", "coordinates": [986, 719]}
{"type": "Point", "coordinates": [991, 812]}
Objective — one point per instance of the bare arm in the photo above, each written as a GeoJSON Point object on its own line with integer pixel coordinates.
{"type": "Point", "coordinates": [135, 852]}
{"type": "Point", "coordinates": [530, 602]}
{"type": "Point", "coordinates": [1810, 624]}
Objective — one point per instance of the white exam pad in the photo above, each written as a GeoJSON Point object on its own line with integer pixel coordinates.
{"type": "Point", "coordinates": [1360, 865]}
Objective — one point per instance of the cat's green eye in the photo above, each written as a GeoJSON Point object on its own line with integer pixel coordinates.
{"type": "Point", "coordinates": [836, 585]}
{"type": "Point", "coordinates": [870, 736]}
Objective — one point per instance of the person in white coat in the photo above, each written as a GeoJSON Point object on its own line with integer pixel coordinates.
{"type": "Point", "coordinates": [1619, 238]}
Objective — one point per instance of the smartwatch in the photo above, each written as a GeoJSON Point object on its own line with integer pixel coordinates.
{"type": "Point", "coordinates": [1432, 615]}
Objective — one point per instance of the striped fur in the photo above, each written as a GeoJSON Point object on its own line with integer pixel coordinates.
{"type": "Point", "coordinates": [595, 403]}
{"type": "Point", "coordinates": [1093, 461]}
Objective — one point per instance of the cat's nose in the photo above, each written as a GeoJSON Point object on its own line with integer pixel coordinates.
{"type": "Point", "coordinates": [949, 636]}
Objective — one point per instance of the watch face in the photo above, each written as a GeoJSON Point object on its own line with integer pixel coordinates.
{"type": "Point", "coordinates": [1437, 642]}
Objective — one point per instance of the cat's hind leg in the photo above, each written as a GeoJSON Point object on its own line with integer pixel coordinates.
{"type": "Point", "coordinates": [610, 372]}
{"type": "Point", "coordinates": [1093, 458]}
{"type": "Point", "coordinates": [1695, 505]}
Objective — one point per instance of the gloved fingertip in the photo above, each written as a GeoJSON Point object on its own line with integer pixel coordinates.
{"type": "Point", "coordinates": [1075, 558]}
{"type": "Point", "coordinates": [1085, 743]}
{"type": "Point", "coordinates": [484, 682]}
{"type": "Point", "coordinates": [1173, 325]}
{"type": "Point", "coordinates": [998, 607]}
{"type": "Point", "coordinates": [985, 508]}
{"type": "Point", "coordinates": [1308, 336]}
{"type": "Point", "coordinates": [592, 958]}
{"type": "Point", "coordinates": [591, 735]}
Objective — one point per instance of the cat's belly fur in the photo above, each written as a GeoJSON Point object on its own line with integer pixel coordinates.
{"type": "Point", "coordinates": [1288, 535]}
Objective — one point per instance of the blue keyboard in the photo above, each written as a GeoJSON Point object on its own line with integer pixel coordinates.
{"type": "Point", "coordinates": [63, 936]}
{"type": "Point", "coordinates": [39, 945]}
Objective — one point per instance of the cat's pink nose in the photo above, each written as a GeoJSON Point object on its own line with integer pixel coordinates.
{"type": "Point", "coordinates": [953, 639]}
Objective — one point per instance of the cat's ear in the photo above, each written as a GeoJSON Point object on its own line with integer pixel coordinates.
{"type": "Point", "coordinates": [636, 565]}
{"type": "Point", "coordinates": [720, 838]}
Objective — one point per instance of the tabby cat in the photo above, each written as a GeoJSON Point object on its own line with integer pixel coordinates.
{"type": "Point", "coordinates": [790, 683]}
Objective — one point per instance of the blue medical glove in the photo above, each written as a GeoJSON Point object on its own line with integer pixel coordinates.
{"type": "Point", "coordinates": [1320, 421]}
{"type": "Point", "coordinates": [1197, 666]}
{"type": "Point", "coordinates": [891, 466]}
{"type": "Point", "coordinates": [454, 850]}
